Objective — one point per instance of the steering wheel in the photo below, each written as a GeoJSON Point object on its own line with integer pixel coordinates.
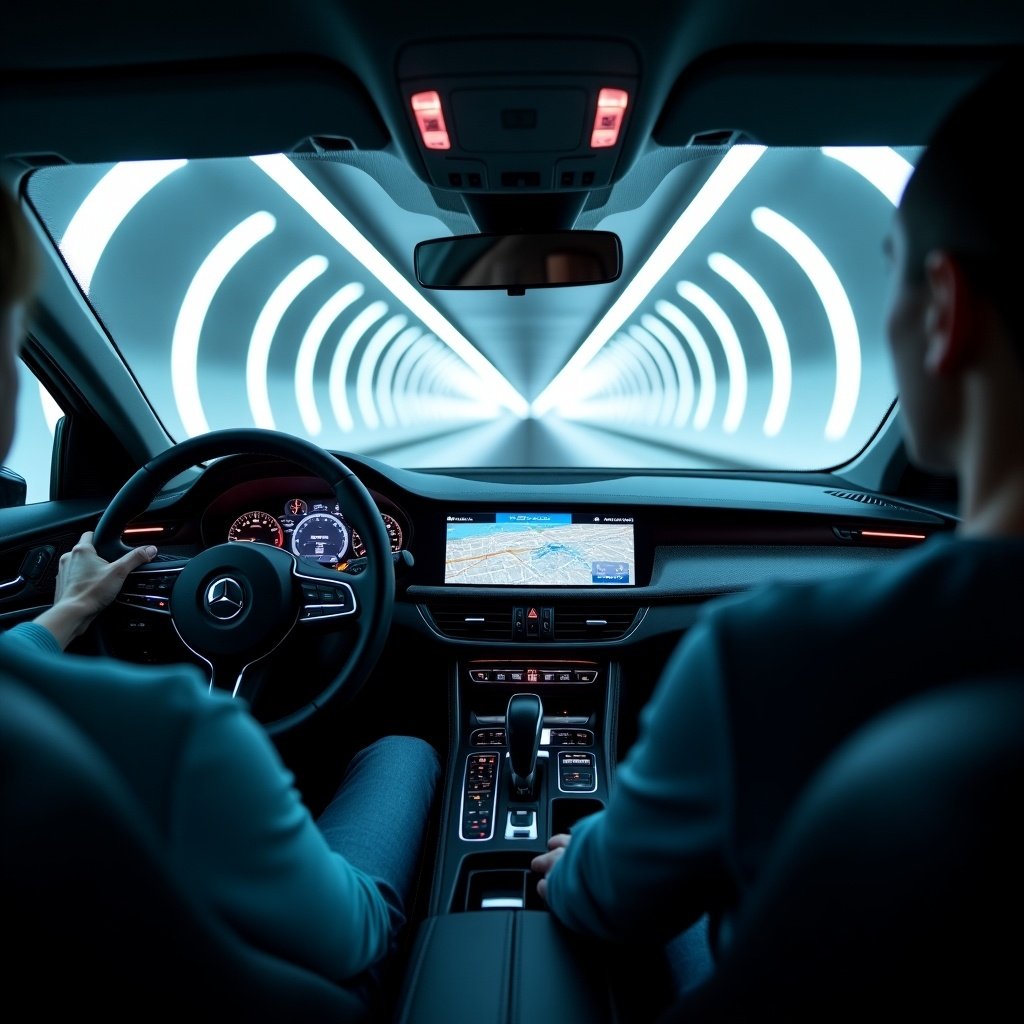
{"type": "Point", "coordinates": [235, 603]}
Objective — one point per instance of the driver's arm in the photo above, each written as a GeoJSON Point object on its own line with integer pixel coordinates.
{"type": "Point", "coordinates": [86, 584]}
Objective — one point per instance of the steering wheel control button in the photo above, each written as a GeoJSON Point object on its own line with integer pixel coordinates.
{"type": "Point", "coordinates": [323, 600]}
{"type": "Point", "coordinates": [149, 590]}
{"type": "Point", "coordinates": [225, 599]}
{"type": "Point", "coordinates": [479, 792]}
{"type": "Point", "coordinates": [577, 771]}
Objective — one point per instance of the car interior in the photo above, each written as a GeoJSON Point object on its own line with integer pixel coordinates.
{"type": "Point", "coordinates": [474, 350]}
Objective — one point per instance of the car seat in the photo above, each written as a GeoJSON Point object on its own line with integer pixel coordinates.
{"type": "Point", "coordinates": [96, 917]}
{"type": "Point", "coordinates": [895, 888]}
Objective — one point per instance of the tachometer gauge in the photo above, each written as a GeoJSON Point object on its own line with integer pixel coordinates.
{"type": "Point", "coordinates": [257, 528]}
{"type": "Point", "coordinates": [322, 537]}
{"type": "Point", "coordinates": [394, 533]}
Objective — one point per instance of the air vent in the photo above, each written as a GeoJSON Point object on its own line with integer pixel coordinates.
{"type": "Point", "coordinates": [869, 499]}
{"type": "Point", "coordinates": [474, 621]}
{"type": "Point", "coordinates": [593, 621]}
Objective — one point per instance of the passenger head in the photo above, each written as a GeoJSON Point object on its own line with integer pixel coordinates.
{"type": "Point", "coordinates": [957, 251]}
{"type": "Point", "coordinates": [965, 194]}
{"type": "Point", "coordinates": [19, 267]}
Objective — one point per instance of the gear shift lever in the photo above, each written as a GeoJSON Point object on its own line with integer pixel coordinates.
{"type": "Point", "coordinates": [522, 730]}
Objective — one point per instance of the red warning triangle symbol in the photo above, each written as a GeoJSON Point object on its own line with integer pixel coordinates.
{"type": "Point", "coordinates": [532, 613]}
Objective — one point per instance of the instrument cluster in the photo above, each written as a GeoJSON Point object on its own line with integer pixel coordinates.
{"type": "Point", "coordinates": [314, 529]}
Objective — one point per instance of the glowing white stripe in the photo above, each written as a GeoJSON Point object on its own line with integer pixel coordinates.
{"type": "Point", "coordinates": [256, 385]}
{"type": "Point", "coordinates": [416, 385]}
{"type": "Point", "coordinates": [683, 370]}
{"type": "Point", "coordinates": [702, 356]}
{"type": "Point", "coordinates": [385, 377]}
{"type": "Point", "coordinates": [111, 199]}
{"type": "Point", "coordinates": [881, 166]}
{"type": "Point", "coordinates": [337, 381]}
{"type": "Point", "coordinates": [220, 261]}
{"type": "Point", "coordinates": [737, 365]}
{"type": "Point", "coordinates": [775, 334]}
{"type": "Point", "coordinates": [838, 310]}
{"type": "Point", "coordinates": [732, 169]}
{"type": "Point", "coordinates": [669, 391]}
{"type": "Point", "coordinates": [309, 349]}
{"type": "Point", "coordinates": [419, 349]}
{"type": "Point", "coordinates": [281, 170]}
{"type": "Point", "coordinates": [635, 385]}
{"type": "Point", "coordinates": [367, 365]}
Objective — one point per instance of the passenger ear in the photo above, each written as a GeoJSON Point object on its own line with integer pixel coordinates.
{"type": "Point", "coordinates": [951, 314]}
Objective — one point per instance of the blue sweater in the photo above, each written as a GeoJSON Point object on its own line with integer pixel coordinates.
{"type": "Point", "coordinates": [220, 797]}
{"type": "Point", "coordinates": [759, 692]}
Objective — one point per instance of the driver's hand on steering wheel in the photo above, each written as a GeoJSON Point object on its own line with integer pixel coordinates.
{"type": "Point", "coordinates": [86, 584]}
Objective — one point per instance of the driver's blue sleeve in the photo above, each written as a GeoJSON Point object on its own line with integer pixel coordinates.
{"type": "Point", "coordinates": [222, 802]}
{"type": "Point", "coordinates": [31, 634]}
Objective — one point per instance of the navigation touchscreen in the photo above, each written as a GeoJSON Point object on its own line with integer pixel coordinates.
{"type": "Point", "coordinates": [539, 549]}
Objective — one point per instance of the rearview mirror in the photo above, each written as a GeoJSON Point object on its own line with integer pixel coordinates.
{"type": "Point", "coordinates": [553, 259]}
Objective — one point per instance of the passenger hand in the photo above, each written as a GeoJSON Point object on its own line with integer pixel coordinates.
{"type": "Point", "coordinates": [86, 584]}
{"type": "Point", "coordinates": [544, 862]}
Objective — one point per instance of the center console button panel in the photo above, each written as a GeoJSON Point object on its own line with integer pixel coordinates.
{"type": "Point", "coordinates": [479, 792]}
{"type": "Point", "coordinates": [577, 771]}
{"type": "Point", "coordinates": [533, 672]}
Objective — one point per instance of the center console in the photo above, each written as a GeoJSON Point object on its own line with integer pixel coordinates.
{"type": "Point", "coordinates": [533, 755]}
{"type": "Point", "coordinates": [533, 736]}
{"type": "Point", "coordinates": [532, 711]}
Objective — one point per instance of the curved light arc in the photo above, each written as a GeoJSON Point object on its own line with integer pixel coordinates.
{"type": "Point", "coordinates": [309, 349]}
{"type": "Point", "coordinates": [775, 335]}
{"type": "Point", "coordinates": [368, 364]}
{"type": "Point", "coordinates": [258, 356]}
{"type": "Point", "coordinates": [338, 374]}
{"type": "Point", "coordinates": [736, 363]}
{"type": "Point", "coordinates": [102, 211]}
{"type": "Point", "coordinates": [219, 262]}
{"type": "Point", "coordinates": [838, 310]}
{"type": "Point", "coordinates": [683, 370]}
{"type": "Point", "coordinates": [384, 388]}
{"type": "Point", "coordinates": [706, 378]}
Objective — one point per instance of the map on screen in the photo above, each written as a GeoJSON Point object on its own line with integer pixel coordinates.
{"type": "Point", "coordinates": [539, 549]}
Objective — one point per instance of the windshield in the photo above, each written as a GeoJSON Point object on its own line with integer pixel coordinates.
{"type": "Point", "coordinates": [746, 330]}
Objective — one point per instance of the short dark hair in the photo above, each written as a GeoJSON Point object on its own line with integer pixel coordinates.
{"type": "Point", "coordinates": [19, 253]}
{"type": "Point", "coordinates": [966, 194]}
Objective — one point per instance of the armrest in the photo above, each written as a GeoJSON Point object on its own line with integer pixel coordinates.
{"type": "Point", "coordinates": [504, 967]}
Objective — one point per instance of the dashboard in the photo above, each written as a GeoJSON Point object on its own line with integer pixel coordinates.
{"type": "Point", "coordinates": [632, 539]}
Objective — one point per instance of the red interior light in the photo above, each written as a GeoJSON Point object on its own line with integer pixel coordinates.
{"type": "Point", "coordinates": [426, 106]}
{"type": "Point", "coordinates": [611, 109]}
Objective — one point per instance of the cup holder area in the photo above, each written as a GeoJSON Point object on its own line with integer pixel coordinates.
{"type": "Point", "coordinates": [502, 889]}
{"type": "Point", "coordinates": [566, 811]}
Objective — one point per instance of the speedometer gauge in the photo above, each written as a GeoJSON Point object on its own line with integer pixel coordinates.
{"type": "Point", "coordinates": [394, 533]}
{"type": "Point", "coordinates": [322, 537]}
{"type": "Point", "coordinates": [257, 528]}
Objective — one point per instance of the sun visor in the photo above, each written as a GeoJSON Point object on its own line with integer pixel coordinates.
{"type": "Point", "coordinates": [228, 108]}
{"type": "Point", "coordinates": [802, 96]}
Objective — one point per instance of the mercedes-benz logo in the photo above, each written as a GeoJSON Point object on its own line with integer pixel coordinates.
{"type": "Point", "coordinates": [225, 598]}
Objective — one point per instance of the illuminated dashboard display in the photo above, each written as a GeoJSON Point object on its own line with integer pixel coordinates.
{"type": "Point", "coordinates": [539, 549]}
{"type": "Point", "coordinates": [315, 530]}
